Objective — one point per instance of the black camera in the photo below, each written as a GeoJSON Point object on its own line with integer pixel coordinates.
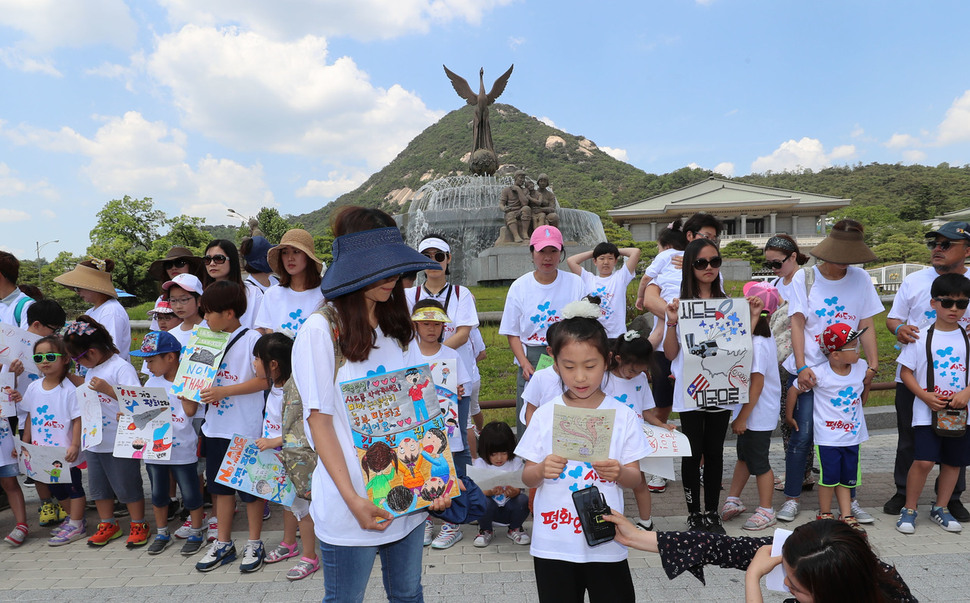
{"type": "Point", "coordinates": [591, 507]}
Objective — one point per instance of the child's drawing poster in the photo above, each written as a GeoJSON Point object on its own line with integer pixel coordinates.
{"type": "Point", "coordinates": [582, 434]}
{"type": "Point", "coordinates": [8, 408]}
{"type": "Point", "coordinates": [260, 473]}
{"type": "Point", "coordinates": [144, 403]}
{"type": "Point", "coordinates": [200, 363]}
{"type": "Point", "coordinates": [401, 441]}
{"type": "Point", "coordinates": [92, 421]}
{"type": "Point", "coordinates": [152, 441]}
{"type": "Point", "coordinates": [17, 344]}
{"type": "Point", "coordinates": [445, 379]}
{"type": "Point", "coordinates": [43, 463]}
{"type": "Point", "coordinates": [715, 339]}
{"type": "Point", "coordinates": [665, 446]}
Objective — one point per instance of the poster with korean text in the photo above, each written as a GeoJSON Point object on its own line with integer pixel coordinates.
{"type": "Point", "coordinates": [44, 463]}
{"type": "Point", "coordinates": [260, 473]}
{"type": "Point", "coordinates": [17, 344]}
{"type": "Point", "coordinates": [445, 378]}
{"type": "Point", "coordinates": [92, 421]}
{"type": "Point", "coordinates": [144, 425]}
{"type": "Point", "coordinates": [400, 437]}
{"type": "Point", "coordinates": [200, 363]}
{"type": "Point", "coordinates": [665, 446]}
{"type": "Point", "coordinates": [582, 434]}
{"type": "Point", "coordinates": [715, 340]}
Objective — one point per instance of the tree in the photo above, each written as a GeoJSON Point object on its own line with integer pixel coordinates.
{"type": "Point", "coordinates": [900, 249]}
{"type": "Point", "coordinates": [744, 250]}
{"type": "Point", "coordinates": [273, 225]}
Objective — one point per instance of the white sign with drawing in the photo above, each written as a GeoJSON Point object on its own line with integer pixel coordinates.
{"type": "Point", "coordinates": [715, 338]}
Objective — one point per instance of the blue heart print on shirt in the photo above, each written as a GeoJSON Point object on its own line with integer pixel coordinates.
{"type": "Point", "coordinates": [380, 369]}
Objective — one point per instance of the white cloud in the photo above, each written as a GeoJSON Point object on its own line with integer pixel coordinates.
{"type": "Point", "coordinates": [914, 156]}
{"type": "Point", "coordinates": [902, 141]}
{"type": "Point", "coordinates": [807, 153]}
{"type": "Point", "coordinates": [13, 186]}
{"type": "Point", "coordinates": [694, 166]}
{"type": "Point", "coordinates": [620, 154]}
{"type": "Point", "coordinates": [725, 168]}
{"type": "Point", "coordinates": [361, 19]}
{"type": "Point", "coordinates": [955, 126]}
{"type": "Point", "coordinates": [548, 121]}
{"type": "Point", "coordinates": [253, 93]}
{"type": "Point", "coordinates": [857, 131]}
{"type": "Point", "coordinates": [337, 184]}
{"type": "Point", "coordinates": [14, 58]}
{"type": "Point", "coordinates": [515, 42]}
{"type": "Point", "coordinates": [12, 215]}
{"type": "Point", "coordinates": [732, 112]}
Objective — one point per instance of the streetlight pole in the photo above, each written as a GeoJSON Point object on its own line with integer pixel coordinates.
{"type": "Point", "coordinates": [39, 247]}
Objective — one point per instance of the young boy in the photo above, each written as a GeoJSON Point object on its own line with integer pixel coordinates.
{"type": "Point", "coordinates": [608, 283]}
{"type": "Point", "coordinates": [164, 316]}
{"type": "Point", "coordinates": [161, 351]}
{"type": "Point", "coordinates": [839, 423]}
{"type": "Point", "coordinates": [233, 405]}
{"type": "Point", "coordinates": [943, 387]}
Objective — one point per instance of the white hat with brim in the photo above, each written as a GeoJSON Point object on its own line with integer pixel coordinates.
{"type": "Point", "coordinates": [85, 277]}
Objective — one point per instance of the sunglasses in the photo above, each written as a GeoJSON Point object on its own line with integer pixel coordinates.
{"type": "Point", "coordinates": [176, 263]}
{"type": "Point", "coordinates": [775, 264]}
{"type": "Point", "coordinates": [48, 357]}
{"type": "Point", "coordinates": [79, 356]}
{"type": "Point", "coordinates": [943, 245]}
{"type": "Point", "coordinates": [438, 256]}
{"type": "Point", "coordinates": [218, 259]}
{"type": "Point", "coordinates": [702, 264]}
{"type": "Point", "coordinates": [948, 303]}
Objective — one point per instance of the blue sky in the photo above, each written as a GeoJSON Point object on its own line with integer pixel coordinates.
{"type": "Point", "coordinates": [209, 105]}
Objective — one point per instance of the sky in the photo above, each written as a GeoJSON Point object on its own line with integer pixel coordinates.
{"type": "Point", "coordinates": [207, 105]}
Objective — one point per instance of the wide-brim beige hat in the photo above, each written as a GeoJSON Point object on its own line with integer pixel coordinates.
{"type": "Point", "coordinates": [92, 279]}
{"type": "Point", "coordinates": [296, 238]}
{"type": "Point", "coordinates": [157, 268]}
{"type": "Point", "coordinates": [844, 247]}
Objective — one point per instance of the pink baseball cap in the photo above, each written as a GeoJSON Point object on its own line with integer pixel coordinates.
{"type": "Point", "coordinates": [186, 281]}
{"type": "Point", "coordinates": [546, 236]}
{"type": "Point", "coordinates": [765, 292]}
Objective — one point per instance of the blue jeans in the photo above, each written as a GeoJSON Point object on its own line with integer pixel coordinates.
{"type": "Point", "coordinates": [514, 513]}
{"type": "Point", "coordinates": [185, 476]}
{"type": "Point", "coordinates": [801, 442]}
{"type": "Point", "coordinates": [346, 569]}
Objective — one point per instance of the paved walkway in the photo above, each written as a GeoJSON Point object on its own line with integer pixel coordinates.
{"type": "Point", "coordinates": [932, 561]}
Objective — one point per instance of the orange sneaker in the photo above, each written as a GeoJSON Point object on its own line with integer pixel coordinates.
{"type": "Point", "coordinates": [105, 534]}
{"type": "Point", "coordinates": [138, 534]}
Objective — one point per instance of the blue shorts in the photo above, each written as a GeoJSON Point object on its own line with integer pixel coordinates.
{"type": "Point", "coordinates": [839, 466]}
{"type": "Point", "coordinates": [931, 447]}
{"type": "Point", "coordinates": [11, 470]}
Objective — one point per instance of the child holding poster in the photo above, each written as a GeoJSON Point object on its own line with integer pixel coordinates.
{"type": "Point", "coordinates": [234, 405]}
{"type": "Point", "coordinates": [58, 424]}
{"type": "Point", "coordinates": [161, 351]}
{"type": "Point", "coordinates": [92, 346]}
{"type": "Point", "coordinates": [566, 566]}
{"type": "Point", "coordinates": [9, 470]}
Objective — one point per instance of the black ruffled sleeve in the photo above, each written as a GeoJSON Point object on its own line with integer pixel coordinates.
{"type": "Point", "coordinates": [691, 551]}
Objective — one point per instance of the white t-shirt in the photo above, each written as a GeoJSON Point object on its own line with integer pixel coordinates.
{"type": "Point", "coordinates": [284, 310]}
{"type": "Point", "coordinates": [612, 293]}
{"type": "Point", "coordinates": [460, 306]}
{"type": "Point", "coordinates": [8, 311]}
{"type": "Point", "coordinates": [531, 307]}
{"type": "Point", "coordinates": [544, 385]}
{"type": "Point", "coordinates": [635, 392]}
{"type": "Point", "coordinates": [249, 280]}
{"type": "Point", "coordinates": [116, 371]}
{"type": "Point", "coordinates": [848, 300]}
{"type": "Point", "coordinates": [414, 357]}
{"type": "Point", "coordinates": [949, 363]}
{"type": "Point", "coordinates": [113, 317]}
{"type": "Point", "coordinates": [185, 442]}
{"type": "Point", "coordinates": [22, 382]}
{"type": "Point", "coordinates": [51, 413]}
{"type": "Point", "coordinates": [313, 371]}
{"type": "Point", "coordinates": [183, 335]}
{"type": "Point", "coordinates": [839, 420]}
{"type": "Point", "coordinates": [236, 414]}
{"type": "Point", "coordinates": [660, 262]}
{"type": "Point", "coordinates": [669, 278]}
{"type": "Point", "coordinates": [254, 298]}
{"type": "Point", "coordinates": [513, 466]}
{"type": "Point", "coordinates": [273, 415]}
{"type": "Point", "coordinates": [764, 416]}
{"type": "Point", "coordinates": [556, 532]}
{"type": "Point", "coordinates": [478, 346]}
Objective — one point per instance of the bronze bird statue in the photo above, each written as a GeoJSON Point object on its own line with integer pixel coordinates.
{"type": "Point", "coordinates": [481, 101]}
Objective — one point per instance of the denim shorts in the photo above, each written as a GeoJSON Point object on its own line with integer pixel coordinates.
{"type": "Point", "coordinates": [110, 477]}
{"type": "Point", "coordinates": [11, 470]}
{"type": "Point", "coordinates": [185, 477]}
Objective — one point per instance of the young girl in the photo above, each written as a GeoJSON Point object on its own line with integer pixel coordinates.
{"type": "Point", "coordinates": [704, 427]}
{"type": "Point", "coordinates": [259, 274]}
{"type": "Point", "coordinates": [91, 346]}
{"type": "Point", "coordinates": [221, 261]}
{"type": "Point", "coordinates": [562, 557]}
{"type": "Point", "coordinates": [272, 363]}
{"type": "Point", "coordinates": [287, 305]}
{"type": "Point", "coordinates": [507, 504]}
{"type": "Point", "coordinates": [754, 421]}
{"type": "Point", "coordinates": [183, 293]}
{"type": "Point", "coordinates": [630, 358]}
{"type": "Point", "coordinates": [91, 280]}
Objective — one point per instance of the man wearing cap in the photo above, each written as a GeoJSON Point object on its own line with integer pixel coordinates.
{"type": "Point", "coordinates": [908, 318]}
{"type": "Point", "coordinates": [13, 301]}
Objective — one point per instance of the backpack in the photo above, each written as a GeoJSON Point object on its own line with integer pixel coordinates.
{"type": "Point", "coordinates": [780, 321]}
{"type": "Point", "coordinates": [18, 311]}
{"type": "Point", "coordinates": [299, 458]}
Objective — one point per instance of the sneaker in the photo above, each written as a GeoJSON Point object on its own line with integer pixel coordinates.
{"type": "Point", "coordinates": [218, 554]}
{"type": "Point", "coordinates": [185, 530]}
{"type": "Point", "coordinates": [253, 556]}
{"type": "Point", "coordinates": [161, 542]}
{"type": "Point", "coordinates": [958, 511]}
{"type": "Point", "coordinates": [448, 537]}
{"type": "Point", "coordinates": [68, 533]}
{"type": "Point", "coordinates": [657, 484]}
{"type": "Point", "coordinates": [303, 568]}
{"type": "Point", "coordinates": [138, 534]}
{"type": "Point", "coordinates": [518, 536]}
{"type": "Point", "coordinates": [824, 516]}
{"type": "Point", "coordinates": [47, 514]}
{"type": "Point", "coordinates": [120, 510]}
{"type": "Point", "coordinates": [762, 518]}
{"type": "Point", "coordinates": [192, 544]}
{"type": "Point", "coordinates": [17, 535]}
{"type": "Point", "coordinates": [61, 526]}
{"type": "Point", "coordinates": [861, 514]}
{"type": "Point", "coordinates": [853, 522]}
{"type": "Point", "coordinates": [106, 533]}
{"type": "Point", "coordinates": [907, 521]}
{"type": "Point", "coordinates": [789, 510]}
{"type": "Point", "coordinates": [713, 521]}
{"type": "Point", "coordinates": [212, 530]}
{"type": "Point", "coordinates": [281, 552]}
{"type": "Point", "coordinates": [266, 512]}
{"type": "Point", "coordinates": [483, 539]}
{"type": "Point", "coordinates": [942, 516]}
{"type": "Point", "coordinates": [894, 505]}
{"type": "Point", "coordinates": [696, 523]}
{"type": "Point", "coordinates": [780, 483]}
{"type": "Point", "coordinates": [732, 508]}
{"type": "Point", "coordinates": [428, 532]}
{"type": "Point", "coordinates": [174, 508]}
{"type": "Point", "coordinates": [645, 525]}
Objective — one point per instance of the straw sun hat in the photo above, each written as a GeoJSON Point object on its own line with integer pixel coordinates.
{"type": "Point", "coordinates": [844, 247]}
{"type": "Point", "coordinates": [297, 238]}
{"type": "Point", "coordinates": [85, 277]}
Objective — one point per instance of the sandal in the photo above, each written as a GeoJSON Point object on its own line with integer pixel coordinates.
{"type": "Point", "coordinates": [303, 568]}
{"type": "Point", "coordinates": [732, 508]}
{"type": "Point", "coordinates": [281, 552]}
